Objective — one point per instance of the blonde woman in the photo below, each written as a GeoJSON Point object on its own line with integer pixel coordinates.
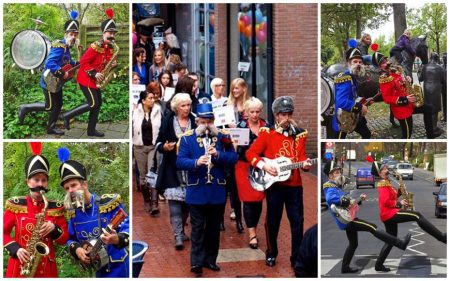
{"type": "Point", "coordinates": [159, 65]}
{"type": "Point", "coordinates": [403, 44]}
{"type": "Point", "coordinates": [218, 88]}
{"type": "Point", "coordinates": [238, 96]}
{"type": "Point", "coordinates": [252, 199]}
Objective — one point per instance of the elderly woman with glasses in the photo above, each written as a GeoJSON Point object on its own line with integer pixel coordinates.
{"type": "Point", "coordinates": [218, 88]}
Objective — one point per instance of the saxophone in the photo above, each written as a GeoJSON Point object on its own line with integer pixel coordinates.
{"type": "Point", "coordinates": [407, 196]}
{"type": "Point", "coordinates": [35, 247]}
{"type": "Point", "coordinates": [416, 91]}
{"type": "Point", "coordinates": [107, 71]}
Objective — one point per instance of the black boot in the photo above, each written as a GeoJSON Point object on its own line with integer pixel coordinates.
{"type": "Point", "coordinates": [222, 225]}
{"type": "Point", "coordinates": [25, 108]}
{"type": "Point", "coordinates": [392, 120]}
{"type": "Point", "coordinates": [382, 258]}
{"type": "Point", "coordinates": [432, 230]}
{"type": "Point", "coordinates": [51, 124]}
{"type": "Point", "coordinates": [239, 227]}
{"type": "Point", "coordinates": [93, 118]}
{"type": "Point", "coordinates": [74, 112]}
{"type": "Point", "coordinates": [392, 240]}
{"type": "Point", "coordinates": [348, 255]}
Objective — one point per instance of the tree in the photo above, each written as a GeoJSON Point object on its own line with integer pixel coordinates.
{"type": "Point", "coordinates": [431, 20]}
{"type": "Point", "coordinates": [399, 19]}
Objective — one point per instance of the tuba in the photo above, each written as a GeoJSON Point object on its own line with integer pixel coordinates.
{"type": "Point", "coordinates": [407, 196]}
{"type": "Point", "coordinates": [416, 91]}
{"type": "Point", "coordinates": [107, 71]}
{"type": "Point", "coordinates": [35, 247]}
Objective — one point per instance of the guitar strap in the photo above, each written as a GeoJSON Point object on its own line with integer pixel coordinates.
{"type": "Point", "coordinates": [97, 203]}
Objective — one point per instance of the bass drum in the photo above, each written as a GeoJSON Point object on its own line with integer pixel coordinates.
{"type": "Point", "coordinates": [30, 48]}
{"type": "Point", "coordinates": [326, 96]}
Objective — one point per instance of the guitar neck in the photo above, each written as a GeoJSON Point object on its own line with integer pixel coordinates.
{"type": "Point", "coordinates": [296, 165]}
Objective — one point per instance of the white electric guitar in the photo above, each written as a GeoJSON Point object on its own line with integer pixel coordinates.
{"type": "Point", "coordinates": [260, 180]}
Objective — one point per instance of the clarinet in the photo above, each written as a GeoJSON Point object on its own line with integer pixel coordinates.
{"type": "Point", "coordinates": [207, 143]}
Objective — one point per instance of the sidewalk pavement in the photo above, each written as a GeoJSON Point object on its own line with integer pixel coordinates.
{"type": "Point", "coordinates": [78, 130]}
{"type": "Point", "coordinates": [236, 259]}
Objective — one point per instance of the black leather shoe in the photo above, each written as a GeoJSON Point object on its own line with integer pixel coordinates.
{"type": "Point", "coordinates": [212, 266]}
{"type": "Point", "coordinates": [382, 268]}
{"type": "Point", "coordinates": [66, 122]}
{"type": "Point", "coordinates": [53, 131]}
{"type": "Point", "coordinates": [222, 226]}
{"type": "Point", "coordinates": [96, 133]}
{"type": "Point", "coordinates": [197, 269]}
{"type": "Point", "coordinates": [271, 261]}
{"type": "Point", "coordinates": [349, 270]}
{"type": "Point", "coordinates": [239, 227]}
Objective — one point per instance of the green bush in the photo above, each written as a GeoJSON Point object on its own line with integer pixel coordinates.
{"type": "Point", "coordinates": [107, 167]}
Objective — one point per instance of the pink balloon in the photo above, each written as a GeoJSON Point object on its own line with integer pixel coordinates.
{"type": "Point", "coordinates": [261, 36]}
{"type": "Point", "coordinates": [246, 19]}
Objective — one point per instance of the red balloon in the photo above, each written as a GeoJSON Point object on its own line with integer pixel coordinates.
{"type": "Point", "coordinates": [211, 20]}
{"type": "Point", "coordinates": [248, 30]}
{"type": "Point", "coordinates": [241, 27]}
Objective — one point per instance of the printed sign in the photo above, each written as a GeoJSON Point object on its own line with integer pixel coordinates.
{"type": "Point", "coordinates": [168, 93]}
{"type": "Point", "coordinates": [243, 66]}
{"type": "Point", "coordinates": [240, 136]}
{"type": "Point", "coordinates": [223, 116]}
{"type": "Point", "coordinates": [136, 89]}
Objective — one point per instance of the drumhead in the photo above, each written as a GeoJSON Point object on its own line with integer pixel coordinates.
{"type": "Point", "coordinates": [29, 49]}
{"type": "Point", "coordinates": [326, 94]}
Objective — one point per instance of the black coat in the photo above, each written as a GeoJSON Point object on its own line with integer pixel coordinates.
{"type": "Point", "coordinates": [167, 174]}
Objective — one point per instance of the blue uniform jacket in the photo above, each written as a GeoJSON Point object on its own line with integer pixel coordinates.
{"type": "Point", "coordinates": [190, 149]}
{"type": "Point", "coordinates": [58, 57]}
{"type": "Point", "coordinates": [333, 195]}
{"type": "Point", "coordinates": [345, 94]}
{"type": "Point", "coordinates": [85, 226]}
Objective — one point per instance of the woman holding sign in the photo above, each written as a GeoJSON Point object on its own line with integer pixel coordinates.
{"type": "Point", "coordinates": [165, 79]}
{"type": "Point", "coordinates": [251, 198]}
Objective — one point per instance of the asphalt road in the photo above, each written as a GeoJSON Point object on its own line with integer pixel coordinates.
{"type": "Point", "coordinates": [424, 257]}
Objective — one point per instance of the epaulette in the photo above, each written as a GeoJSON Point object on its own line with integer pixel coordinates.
{"type": "Point", "coordinates": [17, 205]}
{"type": "Point", "coordinates": [384, 183]}
{"type": "Point", "coordinates": [98, 47]}
{"type": "Point", "coordinates": [341, 78]}
{"type": "Point", "coordinates": [385, 78]}
{"type": "Point", "coordinates": [264, 129]}
{"type": "Point", "coordinates": [301, 133]}
{"type": "Point", "coordinates": [109, 202]}
{"type": "Point", "coordinates": [187, 133]}
{"type": "Point", "coordinates": [70, 213]}
{"type": "Point", "coordinates": [55, 208]}
{"type": "Point", "coordinates": [329, 184]}
{"type": "Point", "coordinates": [58, 44]}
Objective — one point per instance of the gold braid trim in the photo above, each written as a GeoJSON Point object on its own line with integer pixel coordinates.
{"type": "Point", "coordinates": [329, 184]}
{"type": "Point", "coordinates": [70, 213]}
{"type": "Point", "coordinates": [384, 183]}
{"type": "Point", "coordinates": [264, 129]}
{"type": "Point", "coordinates": [97, 46]}
{"type": "Point", "coordinates": [56, 212]}
{"type": "Point", "coordinates": [342, 78]}
{"type": "Point", "coordinates": [57, 44]}
{"type": "Point", "coordinates": [15, 208]}
{"type": "Point", "coordinates": [302, 135]}
{"type": "Point", "coordinates": [387, 79]}
{"type": "Point", "coordinates": [111, 204]}
{"type": "Point", "coordinates": [224, 131]}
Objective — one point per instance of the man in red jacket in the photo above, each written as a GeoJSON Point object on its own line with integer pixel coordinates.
{"type": "Point", "coordinates": [92, 64]}
{"type": "Point", "coordinates": [286, 140]}
{"type": "Point", "coordinates": [392, 213]}
{"type": "Point", "coordinates": [20, 215]}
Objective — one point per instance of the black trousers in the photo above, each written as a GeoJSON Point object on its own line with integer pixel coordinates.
{"type": "Point", "coordinates": [406, 216]}
{"type": "Point", "coordinates": [352, 236]}
{"type": "Point", "coordinates": [205, 235]}
{"type": "Point", "coordinates": [252, 213]}
{"type": "Point", "coordinates": [53, 103]}
{"type": "Point", "coordinates": [407, 124]}
{"type": "Point", "coordinates": [277, 197]}
{"type": "Point", "coordinates": [94, 99]}
{"type": "Point", "coordinates": [361, 128]}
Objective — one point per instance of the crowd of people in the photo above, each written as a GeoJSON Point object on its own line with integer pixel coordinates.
{"type": "Point", "coordinates": [209, 163]}
{"type": "Point", "coordinates": [396, 88]}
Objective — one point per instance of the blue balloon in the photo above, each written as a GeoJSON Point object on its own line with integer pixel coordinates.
{"type": "Point", "coordinates": [259, 16]}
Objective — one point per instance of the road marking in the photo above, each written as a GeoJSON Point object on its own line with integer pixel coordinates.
{"type": "Point", "coordinates": [416, 233]}
{"type": "Point", "coordinates": [327, 265]}
{"type": "Point", "coordinates": [438, 266]}
{"type": "Point", "coordinates": [393, 264]}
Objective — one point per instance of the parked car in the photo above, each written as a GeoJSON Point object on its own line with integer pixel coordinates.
{"type": "Point", "coordinates": [440, 202]}
{"type": "Point", "coordinates": [364, 177]}
{"type": "Point", "coordinates": [384, 160]}
{"type": "Point", "coordinates": [391, 165]}
{"type": "Point", "coordinates": [405, 170]}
